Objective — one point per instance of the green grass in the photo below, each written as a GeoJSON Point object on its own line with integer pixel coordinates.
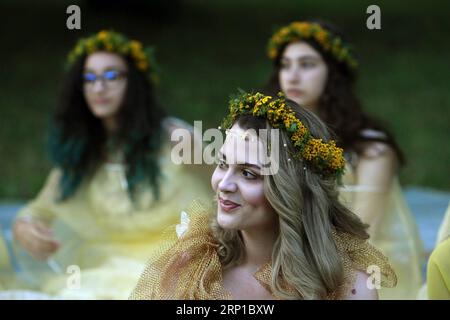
{"type": "Point", "coordinates": [209, 49]}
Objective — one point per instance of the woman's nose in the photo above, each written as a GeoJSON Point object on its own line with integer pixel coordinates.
{"type": "Point", "coordinates": [294, 75]}
{"type": "Point", "coordinates": [227, 183]}
{"type": "Point", "coordinates": [99, 85]}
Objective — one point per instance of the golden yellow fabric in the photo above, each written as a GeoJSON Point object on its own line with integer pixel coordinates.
{"type": "Point", "coordinates": [438, 272]}
{"type": "Point", "coordinates": [188, 265]}
{"type": "Point", "coordinates": [396, 235]}
{"type": "Point", "coordinates": [104, 233]}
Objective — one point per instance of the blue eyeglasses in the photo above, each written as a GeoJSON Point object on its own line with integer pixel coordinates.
{"type": "Point", "coordinates": [109, 77]}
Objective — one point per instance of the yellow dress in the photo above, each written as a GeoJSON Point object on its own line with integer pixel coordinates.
{"type": "Point", "coordinates": [187, 266]}
{"type": "Point", "coordinates": [438, 272]}
{"type": "Point", "coordinates": [105, 237]}
{"type": "Point", "coordinates": [4, 259]}
{"type": "Point", "coordinates": [396, 235]}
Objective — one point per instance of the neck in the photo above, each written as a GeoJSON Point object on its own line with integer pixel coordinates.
{"type": "Point", "coordinates": [313, 108]}
{"type": "Point", "coordinates": [258, 246]}
{"type": "Point", "coordinates": [110, 125]}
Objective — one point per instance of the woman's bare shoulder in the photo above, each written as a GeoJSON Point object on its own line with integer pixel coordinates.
{"type": "Point", "coordinates": [362, 288]}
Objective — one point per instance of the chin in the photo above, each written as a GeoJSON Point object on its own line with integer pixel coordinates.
{"type": "Point", "coordinates": [225, 220]}
{"type": "Point", "coordinates": [301, 102]}
{"type": "Point", "coordinates": [102, 114]}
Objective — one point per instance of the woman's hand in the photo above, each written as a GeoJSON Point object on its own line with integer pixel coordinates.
{"type": "Point", "coordinates": [36, 238]}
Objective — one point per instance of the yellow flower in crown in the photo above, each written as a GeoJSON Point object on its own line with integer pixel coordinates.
{"type": "Point", "coordinates": [325, 157]}
{"type": "Point", "coordinates": [102, 35]}
{"type": "Point", "coordinates": [78, 50]}
{"type": "Point", "coordinates": [297, 31]}
{"type": "Point", "coordinates": [115, 42]}
{"type": "Point", "coordinates": [90, 46]}
{"type": "Point", "coordinates": [304, 28]}
{"type": "Point", "coordinates": [135, 46]}
{"type": "Point", "coordinates": [142, 65]}
{"type": "Point", "coordinates": [283, 32]}
{"type": "Point", "coordinates": [273, 53]}
{"type": "Point", "coordinates": [322, 37]}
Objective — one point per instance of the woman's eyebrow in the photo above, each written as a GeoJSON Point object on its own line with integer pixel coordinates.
{"type": "Point", "coordinates": [246, 164]}
{"type": "Point", "coordinates": [250, 165]}
{"type": "Point", "coordinates": [107, 68]}
{"type": "Point", "coordinates": [308, 56]}
{"type": "Point", "coordinates": [303, 57]}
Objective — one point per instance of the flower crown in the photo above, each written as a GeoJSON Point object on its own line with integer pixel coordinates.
{"type": "Point", "coordinates": [115, 42]}
{"type": "Point", "coordinates": [297, 31]}
{"type": "Point", "coordinates": [326, 157]}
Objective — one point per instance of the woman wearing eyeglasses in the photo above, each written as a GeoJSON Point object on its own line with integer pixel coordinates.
{"type": "Point", "coordinates": [113, 187]}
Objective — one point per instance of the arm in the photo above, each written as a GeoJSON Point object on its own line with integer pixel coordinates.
{"type": "Point", "coordinates": [375, 171]}
{"type": "Point", "coordinates": [43, 206]}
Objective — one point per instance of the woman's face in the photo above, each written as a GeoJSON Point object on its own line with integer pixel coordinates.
{"type": "Point", "coordinates": [104, 83]}
{"type": "Point", "coordinates": [238, 184]}
{"type": "Point", "coordinates": [303, 74]}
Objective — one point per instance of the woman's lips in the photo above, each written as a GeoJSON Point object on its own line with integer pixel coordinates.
{"type": "Point", "coordinates": [294, 93]}
{"type": "Point", "coordinates": [227, 205]}
{"type": "Point", "coordinates": [101, 101]}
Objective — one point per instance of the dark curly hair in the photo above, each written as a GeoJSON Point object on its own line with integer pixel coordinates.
{"type": "Point", "coordinates": [77, 139]}
{"type": "Point", "coordinates": [339, 107]}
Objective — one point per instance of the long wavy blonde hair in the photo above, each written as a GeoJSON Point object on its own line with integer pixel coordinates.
{"type": "Point", "coordinates": [305, 255]}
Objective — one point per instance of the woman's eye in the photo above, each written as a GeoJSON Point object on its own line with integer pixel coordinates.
{"type": "Point", "coordinates": [89, 77]}
{"type": "Point", "coordinates": [284, 65]}
{"type": "Point", "coordinates": [222, 164]}
{"type": "Point", "coordinates": [248, 174]}
{"type": "Point", "coordinates": [307, 64]}
{"type": "Point", "coordinates": [111, 75]}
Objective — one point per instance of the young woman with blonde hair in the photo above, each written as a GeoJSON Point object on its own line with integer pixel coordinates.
{"type": "Point", "coordinates": [279, 231]}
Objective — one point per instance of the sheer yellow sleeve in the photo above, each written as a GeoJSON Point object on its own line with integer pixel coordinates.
{"type": "Point", "coordinates": [394, 231]}
{"type": "Point", "coordinates": [44, 206]}
{"type": "Point", "coordinates": [438, 272]}
{"type": "Point", "coordinates": [359, 254]}
{"type": "Point", "coordinates": [187, 265]}
{"type": "Point", "coordinates": [374, 175]}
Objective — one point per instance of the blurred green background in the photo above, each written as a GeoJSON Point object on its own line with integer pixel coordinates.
{"type": "Point", "coordinates": [207, 49]}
